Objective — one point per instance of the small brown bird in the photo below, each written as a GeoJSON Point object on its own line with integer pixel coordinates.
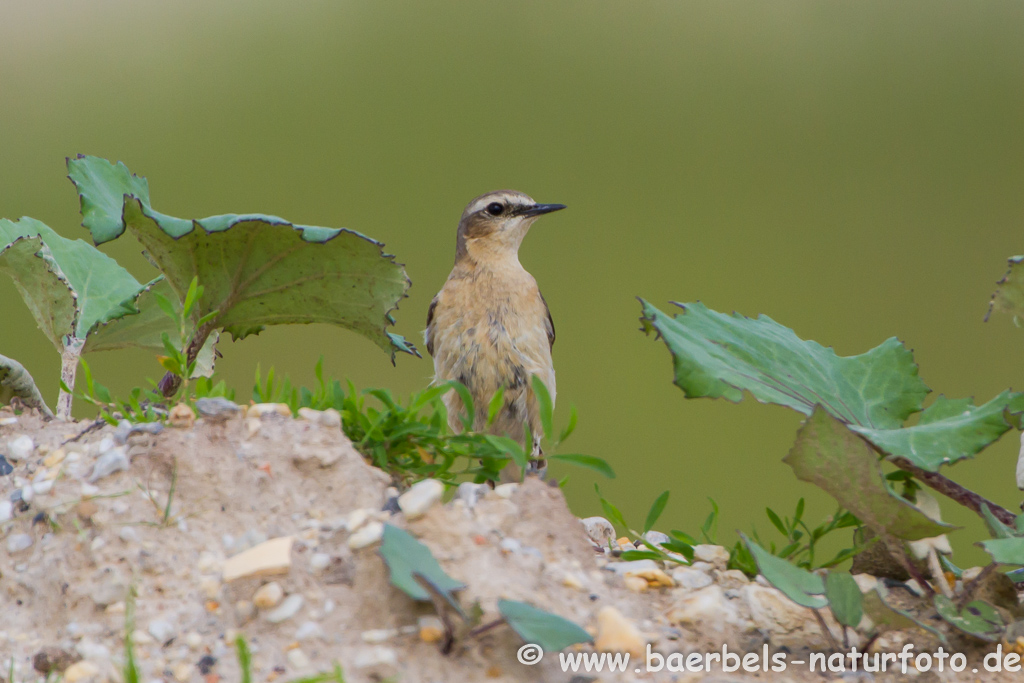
{"type": "Point", "coordinates": [489, 326]}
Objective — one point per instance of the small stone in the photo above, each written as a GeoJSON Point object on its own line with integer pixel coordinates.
{"type": "Point", "coordinates": [253, 426]}
{"type": "Point", "coordinates": [634, 583]}
{"type": "Point", "coordinates": [113, 460]}
{"type": "Point", "coordinates": [309, 630]}
{"type": "Point", "coordinates": [142, 638]}
{"type": "Point", "coordinates": [217, 409]}
{"type": "Point", "coordinates": [244, 611]}
{"type": "Point", "coordinates": [128, 534]}
{"type": "Point", "coordinates": [27, 494]}
{"type": "Point", "coordinates": [357, 518]}
{"type": "Point", "coordinates": [41, 488]}
{"type": "Point", "coordinates": [376, 662]}
{"type": "Point", "coordinates": [378, 635]}
{"type": "Point", "coordinates": [81, 671]}
{"type": "Point", "coordinates": [431, 629]}
{"type": "Point", "coordinates": [329, 418]}
{"type": "Point", "coordinates": [210, 587]}
{"type": "Point", "coordinates": [732, 578]}
{"type": "Point", "coordinates": [262, 410]}
{"type": "Point", "coordinates": [53, 660]}
{"type": "Point", "coordinates": [570, 580]}
{"type": "Point", "coordinates": [297, 659]}
{"type": "Point", "coordinates": [286, 610]}
{"type": "Point", "coordinates": [193, 640]}
{"type": "Point", "coordinates": [616, 633]}
{"type": "Point", "coordinates": [368, 535]}
{"type": "Point", "coordinates": [6, 510]}
{"type": "Point", "coordinates": [268, 595]}
{"type": "Point", "coordinates": [421, 497]}
{"type": "Point", "coordinates": [633, 567]}
{"type": "Point", "coordinates": [707, 609]}
{"type": "Point", "coordinates": [470, 493]}
{"type": "Point", "coordinates": [714, 555]}
{"type": "Point", "coordinates": [8, 421]}
{"type": "Point", "coordinates": [971, 573]}
{"type": "Point", "coordinates": [18, 542]}
{"type": "Point", "coordinates": [55, 458]}
{"type": "Point", "coordinates": [505, 490]}
{"type": "Point", "coordinates": [181, 417]}
{"type": "Point", "coordinates": [162, 631]}
{"type": "Point", "coordinates": [599, 530]}
{"type": "Point", "coordinates": [267, 558]}
{"type": "Point", "coordinates": [20, 448]}
{"type": "Point", "coordinates": [5, 467]}
{"type": "Point", "coordinates": [319, 562]}
{"type": "Point", "coordinates": [182, 671]}
{"type": "Point", "coordinates": [655, 577]}
{"type": "Point", "coordinates": [656, 538]}
{"type": "Point", "coordinates": [691, 579]}
{"type": "Point", "coordinates": [108, 592]}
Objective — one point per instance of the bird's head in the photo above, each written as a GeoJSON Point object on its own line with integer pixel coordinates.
{"type": "Point", "coordinates": [494, 224]}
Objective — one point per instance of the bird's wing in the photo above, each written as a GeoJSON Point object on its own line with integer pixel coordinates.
{"type": "Point", "coordinates": [549, 324]}
{"type": "Point", "coordinates": [429, 334]}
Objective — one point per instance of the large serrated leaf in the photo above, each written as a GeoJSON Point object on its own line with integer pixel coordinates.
{"type": "Point", "coordinates": [1005, 550]}
{"type": "Point", "coordinates": [550, 631]}
{"type": "Point", "coordinates": [949, 430]}
{"type": "Point", "coordinates": [1009, 298]}
{"type": "Point", "coordinates": [828, 454]}
{"type": "Point", "coordinates": [69, 285]}
{"type": "Point", "coordinates": [721, 356]}
{"type": "Point", "coordinates": [406, 558]}
{"type": "Point", "coordinates": [256, 270]}
{"type": "Point", "coordinates": [799, 585]}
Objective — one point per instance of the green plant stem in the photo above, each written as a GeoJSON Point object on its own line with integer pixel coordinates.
{"type": "Point", "coordinates": [170, 382]}
{"type": "Point", "coordinates": [954, 491]}
{"type": "Point", "coordinates": [68, 367]}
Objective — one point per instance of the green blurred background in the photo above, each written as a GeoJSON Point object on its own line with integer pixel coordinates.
{"type": "Point", "coordinates": [853, 170]}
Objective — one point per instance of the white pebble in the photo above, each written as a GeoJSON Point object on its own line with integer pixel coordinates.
{"type": "Point", "coordinates": [308, 631]}
{"type": "Point", "coordinates": [599, 530]}
{"type": "Point", "coordinates": [20, 447]}
{"type": "Point", "coordinates": [505, 490]}
{"type": "Point", "coordinates": [193, 640]}
{"type": "Point", "coordinates": [41, 488]}
{"type": "Point", "coordinates": [421, 497]}
{"type": "Point", "coordinates": [6, 510]}
{"type": "Point", "coordinates": [319, 561]}
{"type": "Point", "coordinates": [8, 421]}
{"type": "Point", "coordinates": [371, 533]}
{"type": "Point", "coordinates": [112, 460]}
{"type": "Point", "coordinates": [357, 518]}
{"type": "Point", "coordinates": [297, 659]}
{"type": "Point", "coordinates": [287, 609]}
{"type": "Point", "coordinates": [27, 494]}
{"type": "Point", "coordinates": [161, 630]}
{"type": "Point", "coordinates": [18, 542]}
{"type": "Point", "coordinates": [128, 534]}
{"type": "Point", "coordinates": [268, 595]}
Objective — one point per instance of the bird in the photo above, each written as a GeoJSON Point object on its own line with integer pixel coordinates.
{"type": "Point", "coordinates": [490, 328]}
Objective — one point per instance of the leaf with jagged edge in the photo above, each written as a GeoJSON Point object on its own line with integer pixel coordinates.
{"type": "Point", "coordinates": [147, 325]}
{"type": "Point", "coordinates": [949, 430]}
{"type": "Point", "coordinates": [256, 270]}
{"type": "Point", "coordinates": [68, 285]}
{"type": "Point", "coordinates": [1005, 550]}
{"type": "Point", "coordinates": [828, 454]}
{"type": "Point", "coordinates": [15, 381]}
{"type": "Point", "coordinates": [721, 356]}
{"type": "Point", "coordinates": [1009, 298]}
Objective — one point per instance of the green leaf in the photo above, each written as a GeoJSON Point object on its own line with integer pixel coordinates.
{"type": "Point", "coordinates": [948, 431]}
{"type": "Point", "coordinates": [546, 405]}
{"type": "Point", "coordinates": [1005, 550]}
{"type": "Point", "coordinates": [977, 618]}
{"type": "Point", "coordinates": [721, 356]}
{"type": "Point", "coordinates": [497, 401]}
{"type": "Point", "coordinates": [569, 428]}
{"type": "Point", "coordinates": [589, 461]}
{"type": "Point", "coordinates": [405, 557]}
{"type": "Point", "coordinates": [996, 527]}
{"type": "Point", "coordinates": [69, 285]}
{"type": "Point", "coordinates": [15, 380]}
{"type": "Point", "coordinates": [550, 631]}
{"type": "Point", "coordinates": [611, 512]}
{"type": "Point", "coordinates": [655, 512]}
{"type": "Point", "coordinates": [776, 522]}
{"type": "Point", "coordinates": [844, 598]}
{"type": "Point", "coordinates": [799, 585]}
{"type": "Point", "coordinates": [469, 410]}
{"type": "Point", "coordinates": [1009, 298]}
{"type": "Point", "coordinates": [888, 618]}
{"type": "Point", "coordinates": [256, 270]}
{"type": "Point", "coordinates": [828, 454]}
{"type": "Point", "coordinates": [630, 555]}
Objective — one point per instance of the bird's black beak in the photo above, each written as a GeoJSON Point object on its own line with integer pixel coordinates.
{"type": "Point", "coordinates": [538, 209]}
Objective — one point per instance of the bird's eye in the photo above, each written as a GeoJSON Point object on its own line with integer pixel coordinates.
{"type": "Point", "coordinates": [495, 209]}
